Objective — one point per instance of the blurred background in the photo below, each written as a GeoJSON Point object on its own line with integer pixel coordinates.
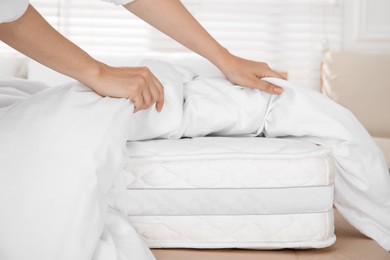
{"type": "Point", "coordinates": [291, 35]}
{"type": "Point", "coordinates": [338, 47]}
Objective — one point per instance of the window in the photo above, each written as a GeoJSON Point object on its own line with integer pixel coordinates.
{"type": "Point", "coordinates": [291, 35]}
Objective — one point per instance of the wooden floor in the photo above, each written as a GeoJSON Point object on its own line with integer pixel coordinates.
{"type": "Point", "coordinates": [350, 245]}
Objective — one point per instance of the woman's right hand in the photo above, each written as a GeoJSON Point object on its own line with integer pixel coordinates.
{"type": "Point", "coordinates": [138, 84]}
{"type": "Point", "coordinates": [33, 36]}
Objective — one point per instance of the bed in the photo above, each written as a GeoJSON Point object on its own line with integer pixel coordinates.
{"type": "Point", "coordinates": [226, 192]}
{"type": "Point", "coordinates": [350, 244]}
{"type": "Point", "coordinates": [166, 225]}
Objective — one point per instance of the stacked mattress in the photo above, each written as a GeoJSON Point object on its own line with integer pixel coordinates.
{"type": "Point", "coordinates": [225, 192]}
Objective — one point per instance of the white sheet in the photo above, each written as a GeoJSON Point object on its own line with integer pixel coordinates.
{"type": "Point", "coordinates": [61, 151]}
{"type": "Point", "coordinates": [362, 186]}
{"type": "Point", "coordinates": [94, 128]}
{"type": "Point", "coordinates": [213, 106]}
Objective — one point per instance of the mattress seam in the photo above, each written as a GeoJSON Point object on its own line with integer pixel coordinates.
{"type": "Point", "coordinates": [231, 215]}
{"type": "Point", "coordinates": [310, 242]}
{"type": "Point", "coordinates": [230, 156]}
{"type": "Point", "coordinates": [234, 188]}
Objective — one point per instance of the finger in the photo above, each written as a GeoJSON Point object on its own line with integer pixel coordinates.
{"type": "Point", "coordinates": [268, 72]}
{"type": "Point", "coordinates": [275, 74]}
{"type": "Point", "coordinates": [138, 102]}
{"type": "Point", "coordinates": [154, 91]}
{"type": "Point", "coordinates": [147, 99]}
{"type": "Point", "coordinates": [155, 88]}
{"type": "Point", "coordinates": [267, 87]}
{"type": "Point", "coordinates": [160, 98]}
{"type": "Point", "coordinates": [160, 102]}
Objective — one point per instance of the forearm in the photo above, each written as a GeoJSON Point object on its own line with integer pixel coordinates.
{"type": "Point", "coordinates": [34, 37]}
{"type": "Point", "coordinates": [173, 19]}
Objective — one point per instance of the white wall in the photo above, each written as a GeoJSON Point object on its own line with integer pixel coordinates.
{"type": "Point", "coordinates": [367, 25]}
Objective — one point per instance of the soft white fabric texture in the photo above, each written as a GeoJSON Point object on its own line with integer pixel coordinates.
{"type": "Point", "coordinates": [214, 106]}
{"type": "Point", "coordinates": [13, 66]}
{"type": "Point", "coordinates": [14, 89]}
{"type": "Point", "coordinates": [50, 203]}
{"type": "Point", "coordinates": [231, 192]}
{"type": "Point", "coordinates": [10, 10]}
{"type": "Point", "coordinates": [362, 185]}
{"type": "Point", "coordinates": [166, 124]}
{"type": "Point", "coordinates": [61, 153]}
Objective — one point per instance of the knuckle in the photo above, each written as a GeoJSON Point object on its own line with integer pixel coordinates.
{"type": "Point", "coordinates": [130, 93]}
{"type": "Point", "coordinates": [140, 80]}
{"type": "Point", "coordinates": [144, 68]}
{"type": "Point", "coordinates": [251, 84]}
{"type": "Point", "coordinates": [135, 94]}
{"type": "Point", "coordinates": [162, 91]}
{"type": "Point", "coordinates": [145, 72]}
{"type": "Point", "coordinates": [268, 86]}
{"type": "Point", "coordinates": [267, 67]}
{"type": "Point", "coordinates": [147, 99]}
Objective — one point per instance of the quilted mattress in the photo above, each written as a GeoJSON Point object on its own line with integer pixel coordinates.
{"type": "Point", "coordinates": [225, 192]}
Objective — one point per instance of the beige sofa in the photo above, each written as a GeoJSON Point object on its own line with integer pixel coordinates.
{"type": "Point", "coordinates": [361, 83]}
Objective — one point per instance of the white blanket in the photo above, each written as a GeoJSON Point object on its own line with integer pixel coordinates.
{"type": "Point", "coordinates": [53, 210]}
{"type": "Point", "coordinates": [61, 154]}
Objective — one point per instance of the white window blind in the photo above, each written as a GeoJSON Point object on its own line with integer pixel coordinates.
{"type": "Point", "coordinates": [291, 35]}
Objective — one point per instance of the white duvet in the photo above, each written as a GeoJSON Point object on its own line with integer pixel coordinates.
{"type": "Point", "coordinates": [56, 210]}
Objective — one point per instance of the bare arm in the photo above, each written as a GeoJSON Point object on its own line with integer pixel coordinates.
{"type": "Point", "coordinates": [173, 19]}
{"type": "Point", "coordinates": [33, 36]}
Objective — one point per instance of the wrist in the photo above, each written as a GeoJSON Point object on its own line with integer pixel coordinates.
{"type": "Point", "coordinates": [90, 72]}
{"type": "Point", "coordinates": [222, 59]}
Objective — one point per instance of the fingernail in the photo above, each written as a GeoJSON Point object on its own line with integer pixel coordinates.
{"type": "Point", "coordinates": [278, 90]}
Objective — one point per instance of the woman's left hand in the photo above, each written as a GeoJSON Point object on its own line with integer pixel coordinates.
{"type": "Point", "coordinates": [165, 16]}
{"type": "Point", "coordinates": [249, 74]}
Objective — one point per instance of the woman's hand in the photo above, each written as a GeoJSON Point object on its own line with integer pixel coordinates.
{"type": "Point", "coordinates": [136, 83]}
{"type": "Point", "coordinates": [248, 73]}
{"type": "Point", "coordinates": [166, 15]}
{"type": "Point", "coordinates": [33, 36]}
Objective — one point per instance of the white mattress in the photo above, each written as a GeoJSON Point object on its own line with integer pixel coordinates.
{"type": "Point", "coordinates": [224, 192]}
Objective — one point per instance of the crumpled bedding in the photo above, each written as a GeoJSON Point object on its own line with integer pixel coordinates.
{"type": "Point", "coordinates": [62, 151]}
{"type": "Point", "coordinates": [54, 210]}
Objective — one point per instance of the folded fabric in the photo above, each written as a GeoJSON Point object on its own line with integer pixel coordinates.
{"type": "Point", "coordinates": [150, 124]}
{"type": "Point", "coordinates": [13, 90]}
{"type": "Point", "coordinates": [57, 210]}
{"type": "Point", "coordinates": [362, 187]}
{"type": "Point", "coordinates": [61, 153]}
{"type": "Point", "coordinates": [214, 106]}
